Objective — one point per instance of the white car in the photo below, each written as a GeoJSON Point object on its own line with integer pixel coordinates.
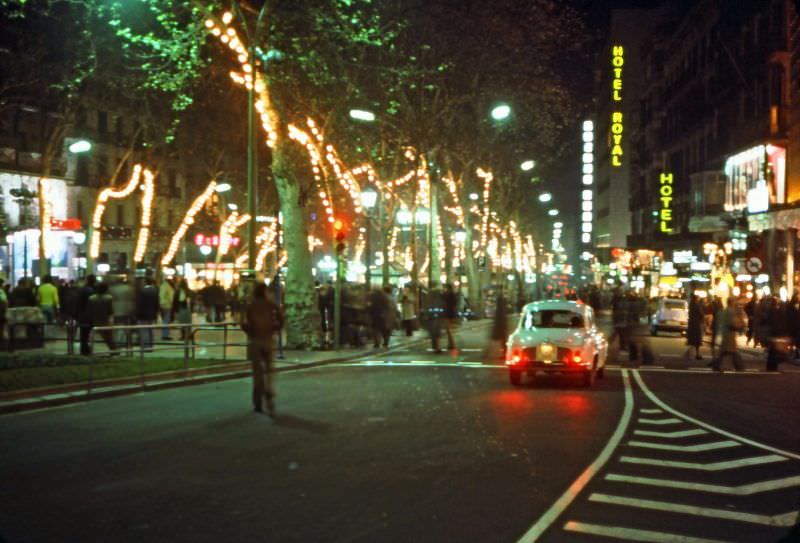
{"type": "Point", "coordinates": [556, 336]}
{"type": "Point", "coordinates": [672, 315]}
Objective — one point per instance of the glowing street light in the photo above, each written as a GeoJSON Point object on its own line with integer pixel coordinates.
{"type": "Point", "coordinates": [528, 165]}
{"type": "Point", "coordinates": [369, 198]}
{"type": "Point", "coordinates": [545, 197]}
{"type": "Point", "coordinates": [473, 196]}
{"type": "Point", "coordinates": [558, 225]}
{"type": "Point", "coordinates": [501, 112]}
{"type": "Point", "coordinates": [80, 146]}
{"type": "Point", "coordinates": [233, 207]}
{"type": "Point", "coordinates": [223, 187]}
{"type": "Point", "coordinates": [362, 115]}
{"type": "Point", "coordinates": [553, 212]}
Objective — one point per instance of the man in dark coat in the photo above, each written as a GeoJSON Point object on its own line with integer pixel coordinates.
{"type": "Point", "coordinates": [499, 334]}
{"type": "Point", "coordinates": [381, 316]}
{"type": "Point", "coordinates": [432, 313]}
{"type": "Point", "coordinates": [261, 319]}
{"type": "Point", "coordinates": [694, 330]}
{"type": "Point", "coordinates": [147, 306]}
{"type": "Point", "coordinates": [82, 313]}
{"type": "Point", "coordinates": [778, 337]}
{"type": "Point", "coordinates": [450, 315]}
{"type": "Point", "coordinates": [100, 310]}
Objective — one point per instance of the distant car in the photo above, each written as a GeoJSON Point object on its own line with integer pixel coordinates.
{"type": "Point", "coordinates": [672, 315]}
{"type": "Point", "coordinates": [555, 336]}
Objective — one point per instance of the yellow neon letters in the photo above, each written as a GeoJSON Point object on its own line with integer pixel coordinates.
{"type": "Point", "coordinates": [665, 196]}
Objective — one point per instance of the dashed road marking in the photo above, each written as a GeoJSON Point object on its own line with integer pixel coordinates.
{"type": "Point", "coordinates": [671, 435]}
{"type": "Point", "coordinates": [660, 421]}
{"type": "Point", "coordinates": [650, 411]}
{"type": "Point", "coordinates": [700, 447]}
{"type": "Point", "coordinates": [561, 504]}
{"type": "Point", "coordinates": [711, 466]}
{"type": "Point", "coordinates": [782, 520]}
{"type": "Point", "coordinates": [633, 534]}
{"type": "Point", "coordinates": [742, 490]}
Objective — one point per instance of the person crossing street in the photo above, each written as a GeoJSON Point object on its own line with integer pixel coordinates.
{"type": "Point", "coordinates": [261, 319]}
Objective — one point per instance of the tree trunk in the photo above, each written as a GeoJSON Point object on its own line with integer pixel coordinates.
{"type": "Point", "coordinates": [434, 270]}
{"type": "Point", "coordinates": [471, 267]}
{"type": "Point", "coordinates": [301, 307]}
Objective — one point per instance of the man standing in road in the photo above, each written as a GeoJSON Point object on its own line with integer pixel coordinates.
{"type": "Point", "coordinates": [147, 311]}
{"type": "Point", "coordinates": [381, 316]}
{"type": "Point", "coordinates": [166, 294]}
{"type": "Point", "coordinates": [261, 319]}
{"type": "Point", "coordinates": [730, 325]}
{"type": "Point", "coordinates": [450, 315]}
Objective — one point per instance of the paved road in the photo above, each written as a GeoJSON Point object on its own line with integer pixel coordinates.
{"type": "Point", "coordinates": [415, 447]}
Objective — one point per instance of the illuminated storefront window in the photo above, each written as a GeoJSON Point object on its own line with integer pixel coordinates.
{"type": "Point", "coordinates": [754, 173]}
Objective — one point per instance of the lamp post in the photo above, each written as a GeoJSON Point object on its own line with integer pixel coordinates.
{"type": "Point", "coordinates": [369, 197]}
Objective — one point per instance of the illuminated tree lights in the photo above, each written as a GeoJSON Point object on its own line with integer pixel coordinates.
{"type": "Point", "coordinates": [188, 220]}
{"type": "Point", "coordinates": [124, 192]}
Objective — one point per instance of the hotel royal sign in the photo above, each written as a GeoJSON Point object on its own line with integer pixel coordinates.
{"type": "Point", "coordinates": [665, 197]}
{"type": "Point", "coordinates": [617, 61]}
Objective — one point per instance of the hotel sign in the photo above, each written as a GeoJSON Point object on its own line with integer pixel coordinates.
{"type": "Point", "coordinates": [617, 61]}
{"type": "Point", "coordinates": [665, 191]}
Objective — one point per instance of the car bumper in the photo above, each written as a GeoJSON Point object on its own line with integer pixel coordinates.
{"type": "Point", "coordinates": [550, 367]}
{"type": "Point", "coordinates": [671, 327]}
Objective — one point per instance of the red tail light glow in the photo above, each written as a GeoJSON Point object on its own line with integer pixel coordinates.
{"type": "Point", "coordinates": [514, 357]}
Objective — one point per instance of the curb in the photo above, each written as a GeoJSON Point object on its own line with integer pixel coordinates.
{"type": "Point", "coordinates": [78, 392]}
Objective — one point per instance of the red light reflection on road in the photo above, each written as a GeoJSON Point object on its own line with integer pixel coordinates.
{"type": "Point", "coordinates": [517, 400]}
{"type": "Point", "coordinates": [574, 404]}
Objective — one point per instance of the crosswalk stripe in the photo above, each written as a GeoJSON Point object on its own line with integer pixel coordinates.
{"type": "Point", "coordinates": [633, 534]}
{"type": "Point", "coordinates": [712, 466]}
{"type": "Point", "coordinates": [660, 421]}
{"type": "Point", "coordinates": [743, 490]}
{"type": "Point", "coordinates": [784, 520]}
{"type": "Point", "coordinates": [686, 448]}
{"type": "Point", "coordinates": [671, 435]}
{"type": "Point", "coordinates": [650, 411]}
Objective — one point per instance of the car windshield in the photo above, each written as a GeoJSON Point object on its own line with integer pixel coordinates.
{"type": "Point", "coordinates": [675, 304]}
{"type": "Point", "coordinates": [552, 318]}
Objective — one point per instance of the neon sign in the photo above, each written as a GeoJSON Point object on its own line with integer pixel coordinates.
{"type": "Point", "coordinates": [588, 180]}
{"type": "Point", "coordinates": [665, 195]}
{"type": "Point", "coordinates": [617, 61]}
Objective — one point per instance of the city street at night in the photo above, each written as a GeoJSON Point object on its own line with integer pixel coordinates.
{"type": "Point", "coordinates": [416, 447]}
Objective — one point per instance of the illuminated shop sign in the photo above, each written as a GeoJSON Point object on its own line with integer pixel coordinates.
{"type": "Point", "coordinates": [588, 180]}
{"type": "Point", "coordinates": [617, 61]}
{"type": "Point", "coordinates": [213, 241]}
{"type": "Point", "coordinates": [756, 179]}
{"type": "Point", "coordinates": [665, 197]}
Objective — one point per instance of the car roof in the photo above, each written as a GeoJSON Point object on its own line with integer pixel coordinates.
{"type": "Point", "coordinates": [567, 305]}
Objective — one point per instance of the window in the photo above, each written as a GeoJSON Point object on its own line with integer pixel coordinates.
{"type": "Point", "coordinates": [553, 318]}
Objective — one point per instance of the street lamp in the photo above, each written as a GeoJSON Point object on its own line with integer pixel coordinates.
{"type": "Point", "coordinates": [500, 112]}
{"type": "Point", "coordinates": [545, 197]}
{"type": "Point", "coordinates": [528, 165]}
{"type": "Point", "coordinates": [369, 198]}
{"type": "Point", "coordinates": [80, 146]}
{"type": "Point", "coordinates": [223, 187]}
{"type": "Point", "coordinates": [553, 212]}
{"type": "Point", "coordinates": [362, 115]}
{"type": "Point", "coordinates": [473, 196]}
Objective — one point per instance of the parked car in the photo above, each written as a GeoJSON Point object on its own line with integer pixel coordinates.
{"type": "Point", "coordinates": [556, 336]}
{"type": "Point", "coordinates": [671, 315]}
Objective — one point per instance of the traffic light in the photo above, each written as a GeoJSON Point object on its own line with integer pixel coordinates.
{"type": "Point", "coordinates": [339, 230]}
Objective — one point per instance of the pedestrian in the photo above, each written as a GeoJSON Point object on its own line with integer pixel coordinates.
{"type": "Point", "coordinates": [432, 313]}
{"type": "Point", "coordinates": [3, 310]}
{"type": "Point", "coordinates": [408, 309]}
{"type": "Point", "coordinates": [182, 307]}
{"type": "Point", "coordinates": [22, 295]}
{"type": "Point", "coordinates": [793, 323]}
{"type": "Point", "coordinates": [166, 295]}
{"type": "Point", "coordinates": [715, 308]}
{"type": "Point", "coordinates": [695, 327]}
{"type": "Point", "coordinates": [123, 303]}
{"type": "Point", "coordinates": [618, 321]}
{"type": "Point", "coordinates": [47, 298]}
{"type": "Point", "coordinates": [779, 341]}
{"type": "Point", "coordinates": [749, 310]}
{"type": "Point", "coordinates": [450, 315]}
{"type": "Point", "coordinates": [499, 333]}
{"type": "Point", "coordinates": [762, 311]}
{"type": "Point", "coordinates": [147, 306]}
{"type": "Point", "coordinates": [261, 319]}
{"type": "Point", "coordinates": [82, 313]}
{"type": "Point", "coordinates": [101, 310]}
{"type": "Point", "coordinates": [730, 323]}
{"type": "Point", "coordinates": [381, 316]}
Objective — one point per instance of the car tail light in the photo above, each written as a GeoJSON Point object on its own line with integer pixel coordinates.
{"type": "Point", "coordinates": [514, 357]}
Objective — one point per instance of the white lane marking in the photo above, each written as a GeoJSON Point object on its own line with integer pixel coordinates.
{"type": "Point", "coordinates": [471, 350]}
{"type": "Point", "coordinates": [671, 435]}
{"type": "Point", "coordinates": [423, 361]}
{"type": "Point", "coordinates": [612, 367]}
{"type": "Point", "coordinates": [711, 466]}
{"type": "Point", "coordinates": [782, 520]}
{"type": "Point", "coordinates": [632, 534]}
{"type": "Point", "coordinates": [650, 411]}
{"type": "Point", "coordinates": [701, 447]}
{"type": "Point", "coordinates": [656, 400]}
{"type": "Point", "coordinates": [742, 490]}
{"type": "Point", "coordinates": [660, 421]}
{"type": "Point", "coordinates": [555, 510]}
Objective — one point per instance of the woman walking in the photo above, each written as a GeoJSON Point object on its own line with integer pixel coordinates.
{"type": "Point", "coordinates": [695, 328]}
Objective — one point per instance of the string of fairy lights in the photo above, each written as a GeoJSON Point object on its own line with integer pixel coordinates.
{"type": "Point", "coordinates": [503, 245]}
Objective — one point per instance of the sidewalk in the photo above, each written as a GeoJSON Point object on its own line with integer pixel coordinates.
{"type": "Point", "coordinates": [235, 367]}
